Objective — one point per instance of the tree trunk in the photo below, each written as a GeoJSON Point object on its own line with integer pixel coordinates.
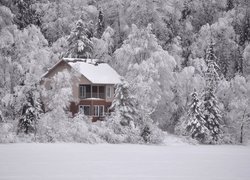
{"type": "Point", "coordinates": [241, 133]}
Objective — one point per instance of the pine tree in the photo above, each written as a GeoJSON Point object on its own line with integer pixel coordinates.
{"type": "Point", "coordinates": [100, 24]}
{"type": "Point", "coordinates": [124, 104]}
{"type": "Point", "coordinates": [211, 75]}
{"type": "Point", "coordinates": [80, 44]}
{"type": "Point", "coordinates": [1, 116]}
{"type": "Point", "coordinates": [245, 30]}
{"type": "Point", "coordinates": [30, 114]}
{"type": "Point", "coordinates": [240, 60]}
{"type": "Point", "coordinates": [196, 123]}
{"type": "Point", "coordinates": [211, 110]}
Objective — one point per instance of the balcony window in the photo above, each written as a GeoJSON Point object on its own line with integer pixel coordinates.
{"type": "Point", "coordinates": [84, 91]}
{"type": "Point", "coordinates": [98, 92]}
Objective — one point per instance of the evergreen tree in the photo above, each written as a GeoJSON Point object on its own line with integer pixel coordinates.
{"type": "Point", "coordinates": [245, 30]}
{"type": "Point", "coordinates": [211, 110]}
{"type": "Point", "coordinates": [240, 60]}
{"type": "Point", "coordinates": [30, 114]}
{"type": "Point", "coordinates": [196, 123]}
{"type": "Point", "coordinates": [186, 10]}
{"type": "Point", "coordinates": [80, 44]}
{"type": "Point", "coordinates": [1, 116]}
{"type": "Point", "coordinates": [124, 104]}
{"type": "Point", "coordinates": [100, 24]}
{"type": "Point", "coordinates": [26, 14]}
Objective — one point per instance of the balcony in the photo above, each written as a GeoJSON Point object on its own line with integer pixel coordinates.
{"type": "Point", "coordinates": [87, 91]}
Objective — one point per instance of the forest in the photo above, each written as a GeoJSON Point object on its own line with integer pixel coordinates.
{"type": "Point", "coordinates": [185, 66]}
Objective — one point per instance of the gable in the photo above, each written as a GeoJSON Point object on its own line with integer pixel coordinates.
{"type": "Point", "coordinates": [60, 67]}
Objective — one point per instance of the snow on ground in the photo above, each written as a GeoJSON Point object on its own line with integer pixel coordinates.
{"type": "Point", "coordinates": [123, 162]}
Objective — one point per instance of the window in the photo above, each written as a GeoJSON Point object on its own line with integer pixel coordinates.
{"type": "Point", "coordinates": [102, 92]}
{"type": "Point", "coordinates": [98, 110]}
{"type": "Point", "coordinates": [108, 92]}
{"type": "Point", "coordinates": [101, 110]}
{"type": "Point", "coordinates": [94, 91]}
{"type": "Point", "coordinates": [84, 91]}
{"type": "Point", "coordinates": [98, 92]}
{"type": "Point", "coordinates": [84, 109]}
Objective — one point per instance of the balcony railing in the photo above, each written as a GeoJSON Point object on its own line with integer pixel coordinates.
{"type": "Point", "coordinates": [98, 95]}
{"type": "Point", "coordinates": [94, 95]}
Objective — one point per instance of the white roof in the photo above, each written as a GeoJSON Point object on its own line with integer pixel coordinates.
{"type": "Point", "coordinates": [94, 71]}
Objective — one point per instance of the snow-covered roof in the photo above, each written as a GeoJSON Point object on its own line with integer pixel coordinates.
{"type": "Point", "coordinates": [95, 71]}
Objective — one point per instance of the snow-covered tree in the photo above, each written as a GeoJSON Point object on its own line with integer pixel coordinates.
{"type": "Point", "coordinates": [124, 104]}
{"type": "Point", "coordinates": [238, 115]}
{"type": "Point", "coordinates": [185, 82]}
{"type": "Point", "coordinates": [212, 113]}
{"type": "Point", "coordinates": [245, 29]}
{"type": "Point", "coordinates": [80, 44]}
{"type": "Point", "coordinates": [30, 113]}
{"type": "Point", "coordinates": [6, 17]}
{"type": "Point", "coordinates": [100, 24]}
{"type": "Point", "coordinates": [60, 86]}
{"type": "Point", "coordinates": [26, 14]}
{"type": "Point", "coordinates": [225, 49]}
{"type": "Point", "coordinates": [195, 125]}
{"type": "Point", "coordinates": [246, 61]}
{"type": "Point", "coordinates": [103, 48]}
{"type": "Point", "coordinates": [147, 67]}
{"type": "Point", "coordinates": [130, 120]}
{"type": "Point", "coordinates": [1, 116]}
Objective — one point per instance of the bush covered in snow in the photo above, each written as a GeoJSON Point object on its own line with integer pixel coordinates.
{"type": "Point", "coordinates": [7, 133]}
{"type": "Point", "coordinates": [80, 129]}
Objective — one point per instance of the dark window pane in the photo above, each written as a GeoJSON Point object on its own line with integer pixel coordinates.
{"type": "Point", "coordinates": [88, 88]}
{"type": "Point", "coordinates": [101, 110]}
{"type": "Point", "coordinates": [84, 109]}
{"type": "Point", "coordinates": [87, 110]}
{"type": "Point", "coordinates": [94, 89]}
{"type": "Point", "coordinates": [101, 89]}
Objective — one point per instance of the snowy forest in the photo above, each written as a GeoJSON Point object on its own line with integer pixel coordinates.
{"type": "Point", "coordinates": [185, 66]}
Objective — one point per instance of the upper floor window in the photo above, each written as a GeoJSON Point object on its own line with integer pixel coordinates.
{"type": "Point", "coordinates": [108, 92]}
{"type": "Point", "coordinates": [84, 91]}
{"type": "Point", "coordinates": [98, 92]}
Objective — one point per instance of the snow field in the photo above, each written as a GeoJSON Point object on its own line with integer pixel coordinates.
{"type": "Point", "coordinates": [123, 162]}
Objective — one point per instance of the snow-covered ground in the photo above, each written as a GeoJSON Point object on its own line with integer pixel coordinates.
{"type": "Point", "coordinates": [123, 162]}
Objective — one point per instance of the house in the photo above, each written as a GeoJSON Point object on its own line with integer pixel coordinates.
{"type": "Point", "coordinates": [92, 86]}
